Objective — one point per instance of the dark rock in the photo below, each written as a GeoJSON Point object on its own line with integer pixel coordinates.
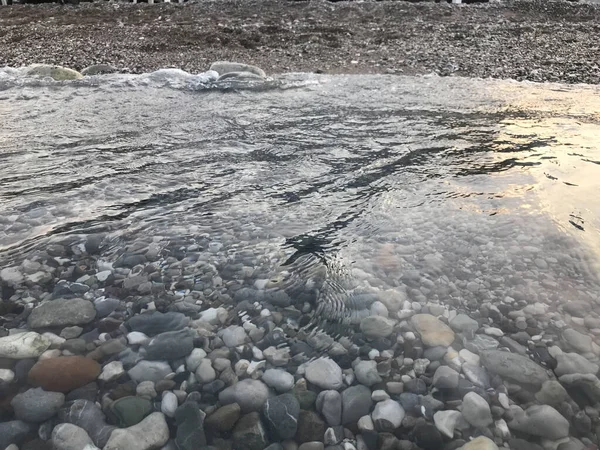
{"type": "Point", "coordinates": [427, 437]}
{"type": "Point", "coordinates": [37, 405]}
{"type": "Point", "coordinates": [223, 419]}
{"type": "Point", "coordinates": [189, 419]}
{"type": "Point", "coordinates": [310, 427]}
{"type": "Point", "coordinates": [129, 411]}
{"type": "Point", "coordinates": [87, 392]}
{"type": "Point", "coordinates": [281, 416]}
{"type": "Point", "coordinates": [155, 322]}
{"type": "Point", "coordinates": [87, 415]}
{"type": "Point", "coordinates": [14, 432]}
{"type": "Point", "coordinates": [249, 433]}
{"type": "Point", "coordinates": [356, 402]}
{"type": "Point", "coordinates": [416, 386]}
{"type": "Point", "coordinates": [170, 345]}
{"type": "Point", "coordinates": [130, 261]}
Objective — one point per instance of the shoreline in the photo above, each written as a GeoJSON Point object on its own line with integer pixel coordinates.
{"type": "Point", "coordinates": [540, 42]}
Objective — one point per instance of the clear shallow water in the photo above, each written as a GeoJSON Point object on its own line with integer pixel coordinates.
{"type": "Point", "coordinates": [303, 200]}
{"type": "Point", "coordinates": [385, 174]}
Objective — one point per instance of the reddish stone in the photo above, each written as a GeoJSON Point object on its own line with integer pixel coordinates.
{"type": "Point", "coordinates": [63, 374]}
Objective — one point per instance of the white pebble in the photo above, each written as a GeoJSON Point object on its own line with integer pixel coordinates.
{"type": "Point", "coordinates": [374, 353]}
{"type": "Point", "coordinates": [6, 375]}
{"type": "Point", "coordinates": [168, 404]}
{"type": "Point", "coordinates": [137, 338]}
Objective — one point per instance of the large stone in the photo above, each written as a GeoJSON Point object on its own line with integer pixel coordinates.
{"type": "Point", "coordinates": [388, 415]}
{"type": "Point", "coordinates": [170, 345]}
{"type": "Point", "coordinates": [480, 443]}
{"type": "Point", "coordinates": [376, 327]}
{"type": "Point", "coordinates": [476, 410]}
{"type": "Point", "coordinates": [63, 374]}
{"type": "Point", "coordinates": [324, 373]}
{"type": "Point", "coordinates": [36, 405]}
{"type": "Point", "coordinates": [445, 378]}
{"type": "Point", "coordinates": [446, 421]}
{"type": "Point", "coordinates": [281, 416]}
{"type": "Point", "coordinates": [14, 432]}
{"type": "Point", "coordinates": [432, 330]}
{"type": "Point", "coordinates": [476, 375]}
{"type": "Point", "coordinates": [574, 363]}
{"type": "Point", "coordinates": [329, 404]}
{"type": "Point", "coordinates": [57, 73]}
{"type": "Point", "coordinates": [149, 371]}
{"type": "Point", "coordinates": [249, 433]}
{"type": "Point", "coordinates": [85, 414]}
{"type": "Point", "coordinates": [224, 418]}
{"type": "Point", "coordinates": [583, 383]}
{"type": "Point", "coordinates": [150, 433]}
{"type": "Point", "coordinates": [189, 419]}
{"type": "Point", "coordinates": [278, 379]}
{"type": "Point", "coordinates": [540, 420]}
{"type": "Point", "coordinates": [23, 345]}
{"type": "Point", "coordinates": [62, 312]}
{"type": "Point", "coordinates": [515, 367]}
{"type": "Point", "coordinates": [66, 436]}
{"type": "Point", "coordinates": [225, 67]}
{"type": "Point", "coordinates": [356, 402]}
{"type": "Point", "coordinates": [155, 322]}
{"type": "Point", "coordinates": [251, 395]}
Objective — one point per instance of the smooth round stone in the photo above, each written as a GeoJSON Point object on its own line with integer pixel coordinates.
{"type": "Point", "coordinates": [169, 404]}
{"type": "Point", "coordinates": [66, 436]}
{"type": "Point", "coordinates": [357, 402]}
{"type": "Point", "coordinates": [23, 345]}
{"type": "Point", "coordinates": [476, 410]}
{"type": "Point", "coordinates": [568, 363]}
{"type": "Point", "coordinates": [324, 373]}
{"type": "Point", "coordinates": [233, 336]}
{"type": "Point", "coordinates": [63, 374]}
{"type": "Point", "coordinates": [149, 371]}
{"type": "Point", "coordinates": [36, 405]}
{"type": "Point", "coordinates": [379, 395]}
{"type": "Point", "coordinates": [464, 324]}
{"type": "Point", "coordinates": [433, 331]}
{"type": "Point", "coordinates": [152, 432]}
{"type": "Point", "coordinates": [87, 415]}
{"type": "Point", "coordinates": [376, 327]}
{"type": "Point", "coordinates": [445, 378]}
{"type": "Point", "coordinates": [366, 373]}
{"type": "Point", "coordinates": [170, 345]}
{"type": "Point", "coordinates": [224, 418]}
{"type": "Point", "coordinates": [205, 372]}
{"type": "Point", "coordinates": [388, 415]}
{"type": "Point", "coordinates": [278, 379]}
{"type": "Point", "coordinates": [129, 411]}
{"type": "Point", "coordinates": [137, 338]}
{"type": "Point", "coordinates": [379, 309]}
{"type": "Point", "coordinates": [71, 332]}
{"type": "Point", "coordinates": [194, 359]}
{"type": "Point", "coordinates": [281, 415]}
{"type": "Point", "coordinates": [329, 404]}
{"type": "Point", "coordinates": [394, 387]}
{"type": "Point", "coordinates": [251, 395]}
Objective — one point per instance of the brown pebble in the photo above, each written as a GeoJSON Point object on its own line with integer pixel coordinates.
{"type": "Point", "coordinates": [63, 374]}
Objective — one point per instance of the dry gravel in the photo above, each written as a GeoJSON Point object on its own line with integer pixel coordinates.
{"type": "Point", "coordinates": [538, 41]}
